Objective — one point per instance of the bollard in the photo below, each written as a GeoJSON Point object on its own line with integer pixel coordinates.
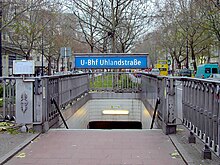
{"type": "Point", "coordinates": [192, 138]}
{"type": "Point", "coordinates": [207, 154]}
{"type": "Point", "coordinates": [24, 129]}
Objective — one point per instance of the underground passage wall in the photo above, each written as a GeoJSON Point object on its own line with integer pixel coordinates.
{"type": "Point", "coordinates": [91, 115]}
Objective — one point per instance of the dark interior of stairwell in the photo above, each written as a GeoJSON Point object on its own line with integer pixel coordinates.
{"type": "Point", "coordinates": [114, 125]}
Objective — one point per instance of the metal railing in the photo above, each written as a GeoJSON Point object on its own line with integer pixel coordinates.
{"type": "Point", "coordinates": [64, 90]}
{"type": "Point", "coordinates": [201, 110]}
{"type": "Point", "coordinates": [189, 101]}
{"type": "Point", "coordinates": [159, 87]}
{"type": "Point", "coordinates": [114, 82]}
{"type": "Point", "coordinates": [8, 99]}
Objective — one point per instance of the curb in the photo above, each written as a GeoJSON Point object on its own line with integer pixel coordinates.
{"type": "Point", "coordinates": [191, 153]}
{"type": "Point", "coordinates": [15, 150]}
{"type": "Point", "coordinates": [187, 159]}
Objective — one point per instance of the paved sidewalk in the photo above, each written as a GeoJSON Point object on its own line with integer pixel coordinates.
{"type": "Point", "coordinates": [105, 147]}
{"type": "Point", "coordinates": [191, 152]}
{"type": "Point", "coordinates": [100, 147]}
{"type": "Point", "coordinates": [10, 144]}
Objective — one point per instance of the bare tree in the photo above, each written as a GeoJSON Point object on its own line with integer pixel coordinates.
{"type": "Point", "coordinates": [187, 18]}
{"type": "Point", "coordinates": [150, 44]}
{"type": "Point", "coordinates": [25, 29]}
{"type": "Point", "coordinates": [11, 9]}
{"type": "Point", "coordinates": [172, 38]}
{"type": "Point", "coordinates": [59, 34]}
{"type": "Point", "coordinates": [118, 20]}
{"type": "Point", "coordinates": [210, 10]}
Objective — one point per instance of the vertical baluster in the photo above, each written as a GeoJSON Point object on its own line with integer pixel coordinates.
{"type": "Point", "coordinates": [196, 108]}
{"type": "Point", "coordinates": [206, 110]}
{"type": "Point", "coordinates": [188, 105]}
{"type": "Point", "coordinates": [127, 81]}
{"type": "Point", "coordinates": [210, 114]}
{"type": "Point", "coordinates": [193, 106]}
{"type": "Point", "coordinates": [184, 101]}
{"type": "Point", "coordinates": [215, 117]}
{"type": "Point", "coordinates": [199, 102]}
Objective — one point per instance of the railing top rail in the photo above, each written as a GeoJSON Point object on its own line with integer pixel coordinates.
{"type": "Point", "coordinates": [143, 73]}
{"type": "Point", "coordinates": [184, 78]}
{"type": "Point", "coordinates": [112, 72]}
{"type": "Point", "coordinates": [41, 77]}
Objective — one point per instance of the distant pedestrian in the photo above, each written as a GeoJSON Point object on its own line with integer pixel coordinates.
{"type": "Point", "coordinates": [203, 76]}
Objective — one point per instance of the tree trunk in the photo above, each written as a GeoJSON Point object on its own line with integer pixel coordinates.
{"type": "Point", "coordinates": [178, 64]}
{"type": "Point", "coordinates": [91, 48]}
{"type": "Point", "coordinates": [28, 56]}
{"type": "Point", "coordinates": [173, 66]}
{"type": "Point", "coordinates": [193, 57]}
{"type": "Point", "coordinates": [49, 66]}
{"type": "Point", "coordinates": [209, 58]}
{"type": "Point", "coordinates": [58, 66]}
{"type": "Point", "coordinates": [113, 43]}
{"type": "Point", "coordinates": [219, 53]}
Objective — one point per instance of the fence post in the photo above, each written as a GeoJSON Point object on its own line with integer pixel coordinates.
{"type": "Point", "coordinates": [24, 101]}
{"type": "Point", "coordinates": [218, 146]}
{"type": "Point", "coordinates": [40, 105]}
{"type": "Point", "coordinates": [169, 125]}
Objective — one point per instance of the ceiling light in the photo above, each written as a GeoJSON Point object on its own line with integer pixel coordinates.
{"type": "Point", "coordinates": [115, 112]}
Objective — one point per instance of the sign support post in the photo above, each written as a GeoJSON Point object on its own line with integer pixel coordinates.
{"type": "Point", "coordinates": [24, 91]}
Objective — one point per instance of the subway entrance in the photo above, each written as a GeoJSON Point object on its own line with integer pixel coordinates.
{"type": "Point", "coordinates": [114, 125]}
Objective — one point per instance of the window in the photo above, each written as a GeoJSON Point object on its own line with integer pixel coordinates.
{"type": "Point", "coordinates": [38, 58]}
{"type": "Point", "coordinates": [214, 70]}
{"type": "Point", "coordinates": [162, 69]}
{"type": "Point", "coordinates": [163, 62]}
{"type": "Point", "coordinates": [207, 70]}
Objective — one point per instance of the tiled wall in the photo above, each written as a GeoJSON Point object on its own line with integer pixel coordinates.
{"type": "Point", "coordinates": [92, 111]}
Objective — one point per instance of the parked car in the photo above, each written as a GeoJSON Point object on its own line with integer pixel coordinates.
{"type": "Point", "coordinates": [137, 73]}
{"type": "Point", "coordinates": [155, 72]}
{"type": "Point", "coordinates": [215, 77]}
{"type": "Point", "coordinates": [205, 70]}
{"type": "Point", "coordinates": [77, 71]}
{"type": "Point", "coordinates": [185, 72]}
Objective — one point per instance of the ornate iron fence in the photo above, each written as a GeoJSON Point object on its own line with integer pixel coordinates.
{"type": "Point", "coordinates": [201, 110]}
{"type": "Point", "coordinates": [189, 101]}
{"type": "Point", "coordinates": [163, 88]}
{"type": "Point", "coordinates": [64, 90]}
{"type": "Point", "coordinates": [125, 82]}
{"type": "Point", "coordinates": [8, 99]}
{"type": "Point", "coordinates": [195, 102]}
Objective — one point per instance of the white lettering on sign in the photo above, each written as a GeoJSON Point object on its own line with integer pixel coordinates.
{"type": "Point", "coordinates": [92, 62]}
{"type": "Point", "coordinates": [120, 62]}
{"type": "Point", "coordinates": [111, 62]}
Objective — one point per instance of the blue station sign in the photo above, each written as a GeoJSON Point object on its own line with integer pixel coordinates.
{"type": "Point", "coordinates": [111, 62]}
